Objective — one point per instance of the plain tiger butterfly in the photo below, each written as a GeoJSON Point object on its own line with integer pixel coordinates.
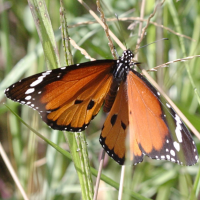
{"type": "Point", "coordinates": [68, 98]}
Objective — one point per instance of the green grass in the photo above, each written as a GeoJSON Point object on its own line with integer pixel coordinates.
{"type": "Point", "coordinates": [46, 172]}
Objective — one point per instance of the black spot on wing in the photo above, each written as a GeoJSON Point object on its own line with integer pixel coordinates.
{"type": "Point", "coordinates": [113, 119]}
{"type": "Point", "coordinates": [90, 105]}
{"type": "Point", "coordinates": [123, 125]}
{"type": "Point", "coordinates": [78, 101]}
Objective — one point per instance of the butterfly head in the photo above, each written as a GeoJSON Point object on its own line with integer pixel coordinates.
{"type": "Point", "coordinates": [123, 65]}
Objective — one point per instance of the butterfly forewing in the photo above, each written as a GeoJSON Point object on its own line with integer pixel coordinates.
{"type": "Point", "coordinates": [157, 136]}
{"type": "Point", "coordinates": [67, 98]}
{"type": "Point", "coordinates": [179, 146]}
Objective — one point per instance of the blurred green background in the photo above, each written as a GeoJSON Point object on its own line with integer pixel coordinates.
{"type": "Point", "coordinates": [45, 173]}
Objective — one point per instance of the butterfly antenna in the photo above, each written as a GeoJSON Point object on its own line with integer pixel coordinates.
{"type": "Point", "coordinates": [151, 43]}
{"type": "Point", "coordinates": [120, 29]}
{"type": "Point", "coordinates": [116, 51]}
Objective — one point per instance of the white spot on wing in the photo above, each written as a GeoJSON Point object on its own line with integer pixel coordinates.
{"type": "Point", "coordinates": [172, 152]}
{"type": "Point", "coordinates": [31, 90]}
{"type": "Point", "coordinates": [173, 160]}
{"type": "Point", "coordinates": [46, 73]}
{"type": "Point", "coordinates": [39, 80]}
{"type": "Point", "coordinates": [28, 97]}
{"type": "Point", "coordinates": [168, 105]}
{"type": "Point", "coordinates": [41, 77]}
{"type": "Point", "coordinates": [177, 146]}
{"type": "Point", "coordinates": [178, 134]}
{"type": "Point", "coordinates": [178, 128]}
{"type": "Point", "coordinates": [162, 157]}
{"type": "Point", "coordinates": [177, 118]}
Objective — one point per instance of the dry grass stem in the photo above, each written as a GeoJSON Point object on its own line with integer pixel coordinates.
{"type": "Point", "coordinates": [148, 22]}
{"type": "Point", "coordinates": [106, 29]}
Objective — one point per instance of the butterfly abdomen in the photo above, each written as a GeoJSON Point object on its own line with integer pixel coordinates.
{"type": "Point", "coordinates": [110, 98]}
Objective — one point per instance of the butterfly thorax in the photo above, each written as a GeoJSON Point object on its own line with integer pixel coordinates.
{"type": "Point", "coordinates": [122, 66]}
{"type": "Point", "coordinates": [120, 72]}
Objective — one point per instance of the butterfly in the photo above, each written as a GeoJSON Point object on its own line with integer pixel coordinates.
{"type": "Point", "coordinates": [68, 98]}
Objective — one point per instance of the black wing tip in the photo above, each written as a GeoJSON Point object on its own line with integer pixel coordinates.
{"type": "Point", "coordinates": [6, 92]}
{"type": "Point", "coordinates": [9, 96]}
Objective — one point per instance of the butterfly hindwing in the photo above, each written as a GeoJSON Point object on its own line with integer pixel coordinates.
{"type": "Point", "coordinates": [67, 98]}
{"type": "Point", "coordinates": [159, 131]}
{"type": "Point", "coordinates": [114, 130]}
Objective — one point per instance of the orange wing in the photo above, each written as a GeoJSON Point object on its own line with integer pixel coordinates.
{"type": "Point", "coordinates": [157, 129]}
{"type": "Point", "coordinates": [67, 98]}
{"type": "Point", "coordinates": [150, 126]}
{"type": "Point", "coordinates": [114, 131]}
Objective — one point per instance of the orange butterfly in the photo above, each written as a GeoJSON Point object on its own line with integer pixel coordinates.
{"type": "Point", "coordinates": [68, 98]}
